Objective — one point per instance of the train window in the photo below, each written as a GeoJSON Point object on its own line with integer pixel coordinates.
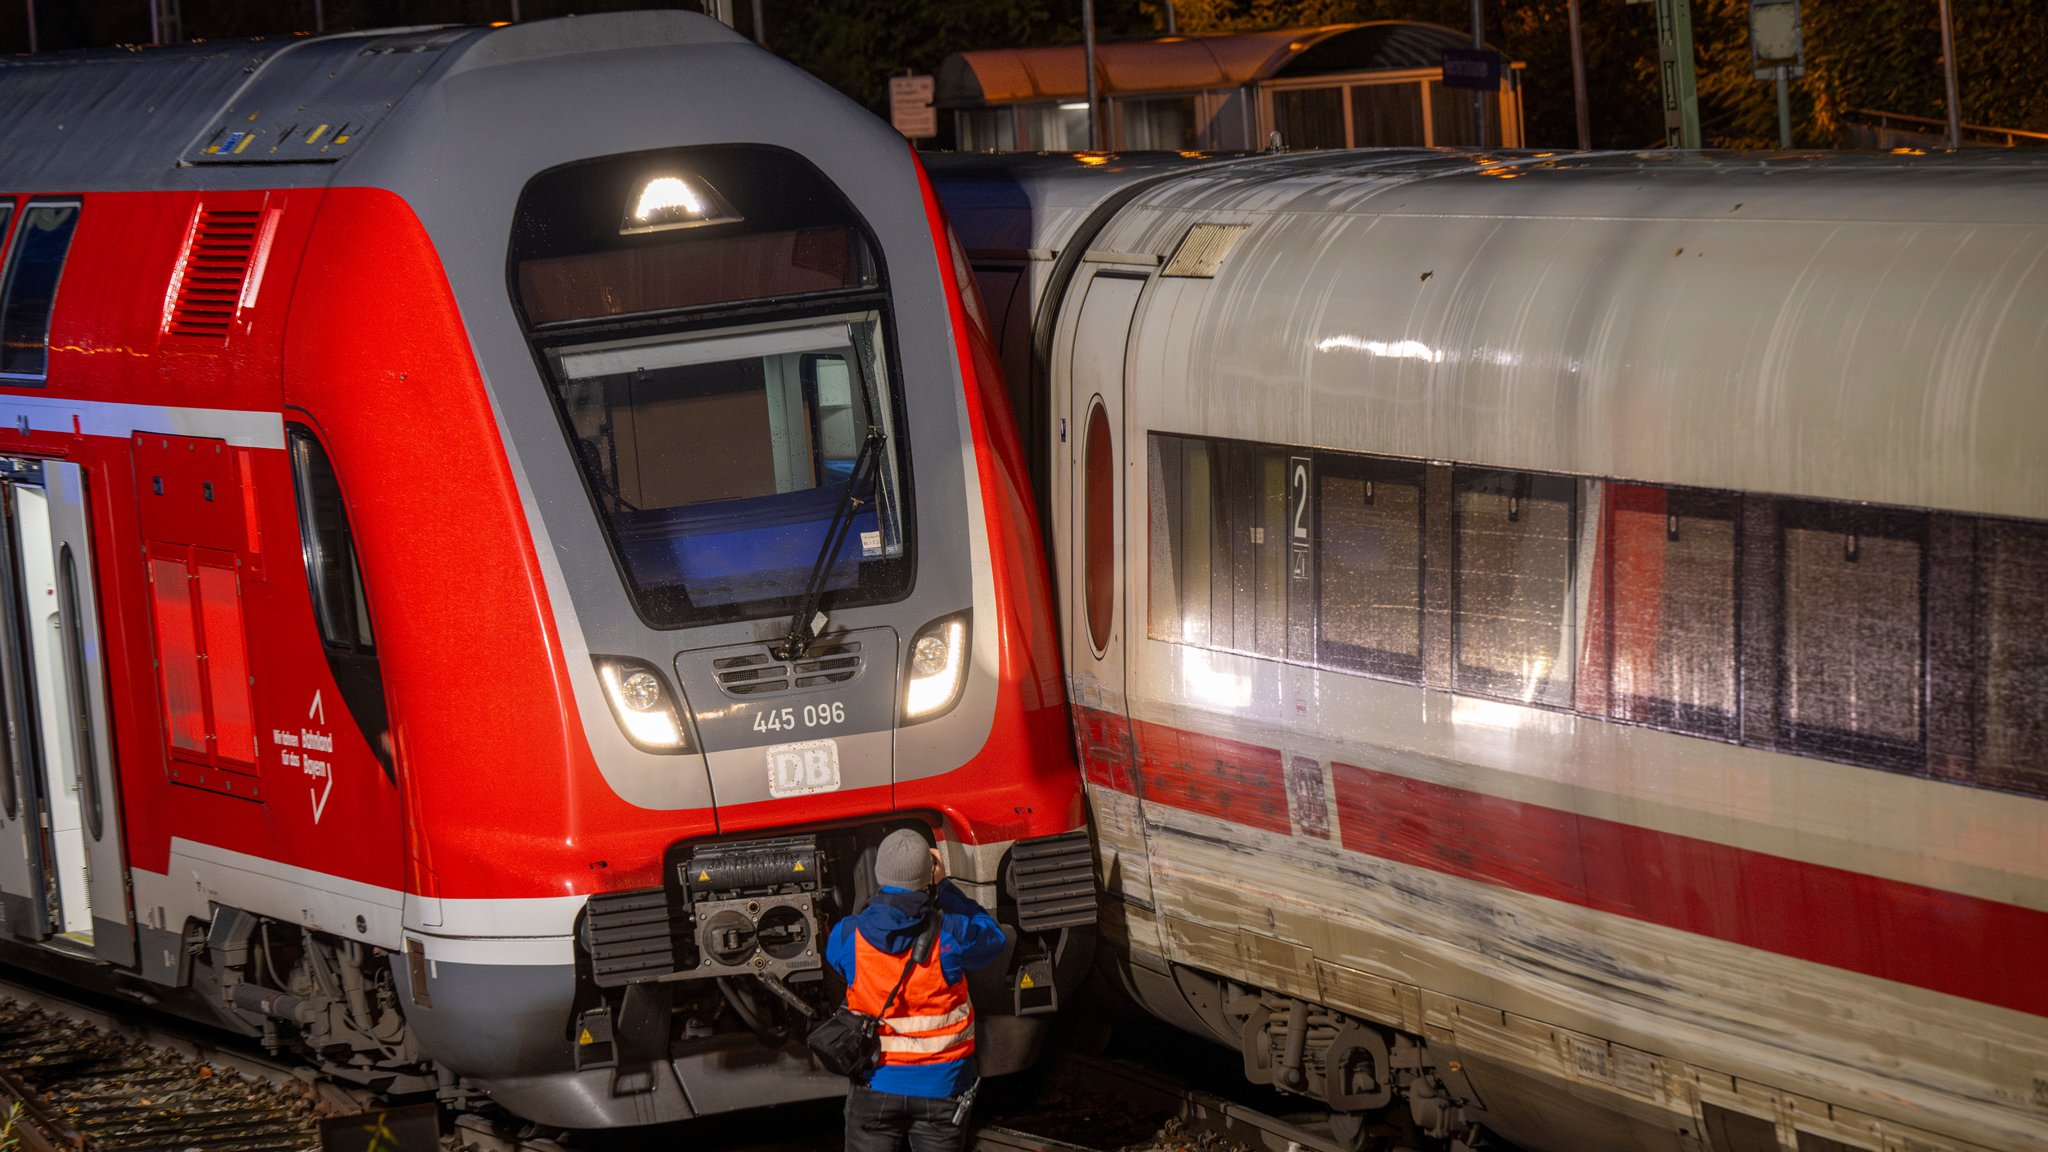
{"type": "Point", "coordinates": [720, 461]}
{"type": "Point", "coordinates": [1255, 488]}
{"type": "Point", "coordinates": [335, 576]}
{"type": "Point", "coordinates": [1098, 500]}
{"type": "Point", "coordinates": [2012, 655]}
{"type": "Point", "coordinates": [1369, 516]}
{"type": "Point", "coordinates": [1514, 628]}
{"type": "Point", "coordinates": [789, 234]}
{"type": "Point", "coordinates": [1670, 615]}
{"type": "Point", "coordinates": [35, 261]}
{"type": "Point", "coordinates": [1851, 654]}
{"type": "Point", "coordinates": [1182, 539]}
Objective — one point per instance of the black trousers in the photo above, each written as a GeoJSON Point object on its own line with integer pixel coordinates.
{"type": "Point", "coordinates": [879, 1121]}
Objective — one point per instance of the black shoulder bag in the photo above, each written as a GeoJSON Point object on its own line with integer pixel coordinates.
{"type": "Point", "coordinates": [848, 1043]}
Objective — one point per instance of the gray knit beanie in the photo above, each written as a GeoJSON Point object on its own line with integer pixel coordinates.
{"type": "Point", "coordinates": [904, 860]}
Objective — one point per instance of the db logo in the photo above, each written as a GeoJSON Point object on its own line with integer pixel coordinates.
{"type": "Point", "coordinates": [803, 768]}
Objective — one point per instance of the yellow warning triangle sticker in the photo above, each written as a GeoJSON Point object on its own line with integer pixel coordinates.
{"type": "Point", "coordinates": [586, 1038]}
{"type": "Point", "coordinates": [799, 866]}
{"type": "Point", "coordinates": [703, 875]}
{"type": "Point", "coordinates": [1024, 980]}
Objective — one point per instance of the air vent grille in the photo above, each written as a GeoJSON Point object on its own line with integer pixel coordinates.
{"type": "Point", "coordinates": [215, 271]}
{"type": "Point", "coordinates": [630, 937]}
{"type": "Point", "coordinates": [1055, 881]}
{"type": "Point", "coordinates": [761, 674]}
{"type": "Point", "coordinates": [1202, 250]}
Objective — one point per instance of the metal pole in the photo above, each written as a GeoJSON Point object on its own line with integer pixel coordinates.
{"type": "Point", "coordinates": [515, 11]}
{"type": "Point", "coordinates": [32, 26]}
{"type": "Point", "coordinates": [1675, 67]}
{"type": "Point", "coordinates": [156, 32]}
{"type": "Point", "coordinates": [760, 26]}
{"type": "Point", "coordinates": [319, 17]}
{"type": "Point", "coordinates": [1479, 95]}
{"type": "Point", "coordinates": [1579, 104]}
{"type": "Point", "coordinates": [1172, 20]}
{"type": "Point", "coordinates": [1784, 109]}
{"type": "Point", "coordinates": [1948, 68]}
{"type": "Point", "coordinates": [1088, 46]}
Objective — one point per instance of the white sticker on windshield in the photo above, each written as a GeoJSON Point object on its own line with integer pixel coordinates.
{"type": "Point", "coordinates": [871, 543]}
{"type": "Point", "coordinates": [803, 768]}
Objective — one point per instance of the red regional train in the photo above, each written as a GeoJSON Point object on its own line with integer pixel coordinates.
{"type": "Point", "coordinates": [1558, 640]}
{"type": "Point", "coordinates": [498, 523]}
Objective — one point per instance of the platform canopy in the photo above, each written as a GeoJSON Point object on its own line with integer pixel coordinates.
{"type": "Point", "coordinates": [1190, 63]}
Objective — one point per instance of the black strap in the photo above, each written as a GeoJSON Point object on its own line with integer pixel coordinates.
{"type": "Point", "coordinates": [920, 951]}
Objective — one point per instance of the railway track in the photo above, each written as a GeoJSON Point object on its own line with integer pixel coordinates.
{"type": "Point", "coordinates": [76, 1079]}
{"type": "Point", "coordinates": [80, 1078]}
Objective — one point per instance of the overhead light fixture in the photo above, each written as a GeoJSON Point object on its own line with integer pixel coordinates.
{"type": "Point", "coordinates": [1077, 106]}
{"type": "Point", "coordinates": [666, 202]}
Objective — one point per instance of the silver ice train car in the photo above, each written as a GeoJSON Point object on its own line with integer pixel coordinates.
{"type": "Point", "coordinates": [1560, 643]}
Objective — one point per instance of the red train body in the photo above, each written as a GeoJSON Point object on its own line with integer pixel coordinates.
{"type": "Point", "coordinates": [342, 664]}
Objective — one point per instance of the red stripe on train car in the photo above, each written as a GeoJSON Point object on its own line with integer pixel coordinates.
{"type": "Point", "coordinates": [1233, 781]}
{"type": "Point", "coordinates": [1959, 945]}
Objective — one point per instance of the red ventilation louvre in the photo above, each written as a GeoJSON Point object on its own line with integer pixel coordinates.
{"type": "Point", "coordinates": [214, 273]}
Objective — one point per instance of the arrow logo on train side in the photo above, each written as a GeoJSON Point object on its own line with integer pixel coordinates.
{"type": "Point", "coordinates": [316, 713]}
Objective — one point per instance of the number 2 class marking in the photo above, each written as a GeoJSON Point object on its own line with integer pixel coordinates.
{"type": "Point", "coordinates": [792, 719]}
{"type": "Point", "coordinates": [1300, 486]}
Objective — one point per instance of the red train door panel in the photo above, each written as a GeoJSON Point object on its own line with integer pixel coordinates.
{"type": "Point", "coordinates": [196, 536]}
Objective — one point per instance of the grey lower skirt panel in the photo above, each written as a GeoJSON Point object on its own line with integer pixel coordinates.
{"type": "Point", "coordinates": [506, 1027]}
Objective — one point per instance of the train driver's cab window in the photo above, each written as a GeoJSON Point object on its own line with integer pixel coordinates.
{"type": "Point", "coordinates": [28, 291]}
{"type": "Point", "coordinates": [713, 325]}
{"type": "Point", "coordinates": [720, 461]}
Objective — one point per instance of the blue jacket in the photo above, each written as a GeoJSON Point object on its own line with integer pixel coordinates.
{"type": "Point", "coordinates": [971, 939]}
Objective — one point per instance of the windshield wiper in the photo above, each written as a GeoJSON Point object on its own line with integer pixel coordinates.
{"type": "Point", "coordinates": [806, 621]}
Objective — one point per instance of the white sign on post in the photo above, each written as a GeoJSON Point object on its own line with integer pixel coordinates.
{"type": "Point", "coordinates": [910, 107]}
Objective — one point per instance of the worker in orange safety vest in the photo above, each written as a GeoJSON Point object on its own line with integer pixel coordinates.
{"type": "Point", "coordinates": [922, 1086]}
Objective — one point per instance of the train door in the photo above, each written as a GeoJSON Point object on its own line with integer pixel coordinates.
{"type": "Point", "coordinates": [1098, 465]}
{"type": "Point", "coordinates": [24, 904]}
{"type": "Point", "coordinates": [57, 714]}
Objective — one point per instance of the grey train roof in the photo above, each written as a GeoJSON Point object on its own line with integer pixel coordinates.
{"type": "Point", "coordinates": [251, 113]}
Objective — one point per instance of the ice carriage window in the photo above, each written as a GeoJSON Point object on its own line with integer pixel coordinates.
{"type": "Point", "coordinates": [1219, 540]}
{"type": "Point", "coordinates": [1182, 515]}
{"type": "Point", "coordinates": [1852, 658]}
{"type": "Point", "coordinates": [1369, 516]}
{"type": "Point", "coordinates": [35, 261]}
{"type": "Point", "coordinates": [1670, 614]}
{"type": "Point", "coordinates": [1514, 610]}
{"type": "Point", "coordinates": [2012, 656]}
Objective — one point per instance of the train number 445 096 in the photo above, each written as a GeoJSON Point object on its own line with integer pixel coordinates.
{"type": "Point", "coordinates": [793, 719]}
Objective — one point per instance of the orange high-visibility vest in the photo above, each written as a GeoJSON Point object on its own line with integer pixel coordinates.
{"type": "Point", "coordinates": [931, 1021]}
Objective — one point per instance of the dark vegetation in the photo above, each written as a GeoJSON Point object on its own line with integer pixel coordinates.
{"type": "Point", "coordinates": [1870, 54]}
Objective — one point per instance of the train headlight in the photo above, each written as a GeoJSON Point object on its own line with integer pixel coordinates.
{"type": "Point", "coordinates": [643, 705]}
{"type": "Point", "coordinates": [667, 202]}
{"type": "Point", "coordinates": [938, 667]}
